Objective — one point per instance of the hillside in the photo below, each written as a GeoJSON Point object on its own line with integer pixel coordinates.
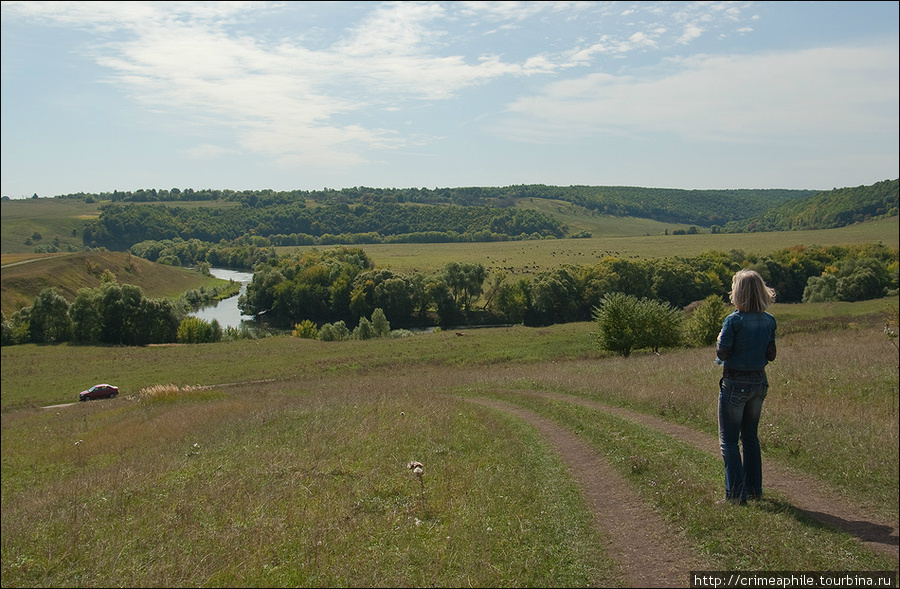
{"type": "Point", "coordinates": [825, 210]}
{"type": "Point", "coordinates": [23, 279]}
{"type": "Point", "coordinates": [156, 219]}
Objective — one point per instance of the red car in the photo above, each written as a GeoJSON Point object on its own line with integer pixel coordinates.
{"type": "Point", "coordinates": [99, 391]}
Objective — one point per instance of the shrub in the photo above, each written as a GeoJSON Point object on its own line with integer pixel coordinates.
{"type": "Point", "coordinates": [306, 329]}
{"type": "Point", "coordinates": [334, 332]}
{"type": "Point", "coordinates": [194, 330]}
{"type": "Point", "coordinates": [626, 323]}
{"type": "Point", "coordinates": [703, 326]}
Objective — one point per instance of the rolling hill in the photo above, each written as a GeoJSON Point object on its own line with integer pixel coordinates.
{"type": "Point", "coordinates": [23, 279]}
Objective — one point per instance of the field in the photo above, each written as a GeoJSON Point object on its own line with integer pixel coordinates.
{"type": "Point", "coordinates": [283, 462]}
{"type": "Point", "coordinates": [525, 257]}
{"type": "Point", "coordinates": [547, 462]}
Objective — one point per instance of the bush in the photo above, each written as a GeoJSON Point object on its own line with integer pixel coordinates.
{"type": "Point", "coordinates": [334, 332]}
{"type": "Point", "coordinates": [703, 326]}
{"type": "Point", "coordinates": [626, 323]}
{"type": "Point", "coordinates": [194, 330]}
{"type": "Point", "coordinates": [306, 329]}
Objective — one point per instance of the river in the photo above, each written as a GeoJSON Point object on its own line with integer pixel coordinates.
{"type": "Point", "coordinates": [226, 311]}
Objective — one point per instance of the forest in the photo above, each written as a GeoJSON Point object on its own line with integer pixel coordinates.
{"type": "Point", "coordinates": [368, 215]}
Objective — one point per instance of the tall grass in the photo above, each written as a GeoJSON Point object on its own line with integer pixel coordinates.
{"type": "Point", "coordinates": [291, 469]}
{"type": "Point", "coordinates": [269, 489]}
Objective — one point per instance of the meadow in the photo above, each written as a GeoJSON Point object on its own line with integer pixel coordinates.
{"type": "Point", "coordinates": [283, 462]}
{"type": "Point", "coordinates": [632, 240]}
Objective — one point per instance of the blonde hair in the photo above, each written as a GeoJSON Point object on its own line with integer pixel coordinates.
{"type": "Point", "coordinates": [749, 292]}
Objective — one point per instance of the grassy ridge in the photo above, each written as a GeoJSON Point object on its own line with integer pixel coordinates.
{"type": "Point", "coordinates": [25, 277]}
{"type": "Point", "coordinates": [60, 219]}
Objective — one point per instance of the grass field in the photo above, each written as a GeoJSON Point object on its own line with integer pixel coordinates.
{"type": "Point", "coordinates": [289, 469]}
{"type": "Point", "coordinates": [524, 257]}
{"type": "Point", "coordinates": [59, 221]}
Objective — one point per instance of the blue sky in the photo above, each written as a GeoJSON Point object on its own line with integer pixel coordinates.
{"type": "Point", "coordinates": [102, 96]}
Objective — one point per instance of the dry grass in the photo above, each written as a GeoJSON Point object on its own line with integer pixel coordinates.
{"type": "Point", "coordinates": [303, 480]}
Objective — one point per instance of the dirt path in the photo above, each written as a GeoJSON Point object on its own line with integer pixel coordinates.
{"type": "Point", "coordinates": [805, 493]}
{"type": "Point", "coordinates": [648, 551]}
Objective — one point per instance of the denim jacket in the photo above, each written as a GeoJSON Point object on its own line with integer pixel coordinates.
{"type": "Point", "coordinates": [747, 341]}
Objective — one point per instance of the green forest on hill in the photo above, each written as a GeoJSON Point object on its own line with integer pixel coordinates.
{"type": "Point", "coordinates": [377, 215]}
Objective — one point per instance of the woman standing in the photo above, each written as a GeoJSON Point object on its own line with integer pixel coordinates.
{"type": "Point", "coordinates": [745, 345]}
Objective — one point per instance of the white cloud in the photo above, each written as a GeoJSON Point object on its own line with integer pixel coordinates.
{"type": "Point", "coordinates": [208, 151]}
{"type": "Point", "coordinates": [837, 91]}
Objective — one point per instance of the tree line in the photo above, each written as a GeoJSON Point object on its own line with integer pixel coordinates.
{"type": "Point", "coordinates": [374, 215]}
{"type": "Point", "coordinates": [342, 286]}
{"type": "Point", "coordinates": [699, 207]}
{"type": "Point", "coordinates": [119, 227]}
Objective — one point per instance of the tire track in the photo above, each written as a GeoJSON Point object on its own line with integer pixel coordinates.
{"type": "Point", "coordinates": [648, 551]}
{"type": "Point", "coordinates": [805, 493]}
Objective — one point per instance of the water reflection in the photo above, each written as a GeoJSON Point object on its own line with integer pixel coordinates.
{"type": "Point", "coordinates": [226, 311]}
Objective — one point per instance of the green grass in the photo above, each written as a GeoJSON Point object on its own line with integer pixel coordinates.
{"type": "Point", "coordinates": [289, 488]}
{"type": "Point", "coordinates": [532, 256]}
{"type": "Point", "coordinates": [30, 377]}
{"type": "Point", "coordinates": [53, 218]}
{"type": "Point", "coordinates": [683, 483]}
{"type": "Point", "coordinates": [297, 476]}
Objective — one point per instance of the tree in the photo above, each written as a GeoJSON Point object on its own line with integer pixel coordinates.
{"type": "Point", "coordinates": [465, 282]}
{"type": "Point", "coordinates": [364, 330]}
{"type": "Point", "coordinates": [86, 319]}
{"type": "Point", "coordinates": [663, 324]}
{"type": "Point", "coordinates": [513, 300]}
{"type": "Point", "coordinates": [554, 298]}
{"type": "Point", "coordinates": [705, 323]}
{"type": "Point", "coordinates": [440, 294]}
{"type": "Point", "coordinates": [380, 325]}
{"type": "Point", "coordinates": [618, 323]}
{"type": "Point", "coordinates": [50, 322]}
{"type": "Point", "coordinates": [626, 323]}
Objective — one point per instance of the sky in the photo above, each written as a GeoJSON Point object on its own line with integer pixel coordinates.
{"type": "Point", "coordinates": [103, 96]}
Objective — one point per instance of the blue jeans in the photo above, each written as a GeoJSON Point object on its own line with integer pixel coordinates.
{"type": "Point", "coordinates": [740, 405]}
